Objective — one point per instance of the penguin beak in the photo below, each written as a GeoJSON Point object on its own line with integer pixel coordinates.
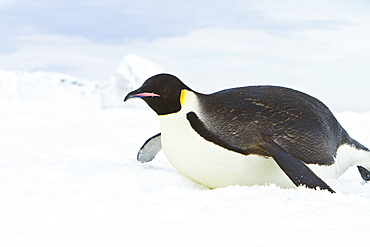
{"type": "Point", "coordinates": [137, 94]}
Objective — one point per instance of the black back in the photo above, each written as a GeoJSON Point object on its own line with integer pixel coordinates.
{"type": "Point", "coordinates": [248, 116]}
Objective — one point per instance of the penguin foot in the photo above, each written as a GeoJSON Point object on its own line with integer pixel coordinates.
{"type": "Point", "coordinates": [365, 174]}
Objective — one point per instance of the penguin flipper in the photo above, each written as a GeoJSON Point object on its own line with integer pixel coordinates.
{"type": "Point", "coordinates": [150, 149]}
{"type": "Point", "coordinates": [295, 169]}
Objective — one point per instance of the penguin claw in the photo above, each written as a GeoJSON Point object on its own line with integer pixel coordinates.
{"type": "Point", "coordinates": [365, 174]}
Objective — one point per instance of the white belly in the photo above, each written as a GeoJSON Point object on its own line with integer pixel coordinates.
{"type": "Point", "coordinates": [213, 165]}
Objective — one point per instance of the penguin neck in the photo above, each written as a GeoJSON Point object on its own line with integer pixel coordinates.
{"type": "Point", "coordinates": [189, 101]}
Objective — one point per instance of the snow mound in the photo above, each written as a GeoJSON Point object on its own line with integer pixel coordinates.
{"type": "Point", "coordinates": [52, 89]}
{"type": "Point", "coordinates": [130, 74]}
{"type": "Point", "coordinates": [46, 89]}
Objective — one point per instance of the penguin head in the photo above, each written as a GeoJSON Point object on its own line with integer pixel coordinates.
{"type": "Point", "coordinates": [161, 92]}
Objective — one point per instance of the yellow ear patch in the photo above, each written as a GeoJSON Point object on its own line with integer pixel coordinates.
{"type": "Point", "coordinates": [182, 97]}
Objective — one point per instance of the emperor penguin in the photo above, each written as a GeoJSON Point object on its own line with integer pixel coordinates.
{"type": "Point", "coordinates": [252, 135]}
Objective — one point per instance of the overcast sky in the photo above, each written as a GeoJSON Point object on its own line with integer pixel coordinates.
{"type": "Point", "coordinates": [318, 46]}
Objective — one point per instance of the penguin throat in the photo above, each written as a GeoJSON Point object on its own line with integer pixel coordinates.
{"type": "Point", "coordinates": [163, 106]}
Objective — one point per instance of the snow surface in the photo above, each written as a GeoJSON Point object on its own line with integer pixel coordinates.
{"type": "Point", "coordinates": [69, 177]}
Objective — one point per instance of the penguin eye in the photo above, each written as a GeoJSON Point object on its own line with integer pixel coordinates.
{"type": "Point", "coordinates": [166, 90]}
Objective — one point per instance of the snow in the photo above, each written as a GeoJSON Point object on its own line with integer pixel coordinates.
{"type": "Point", "coordinates": [53, 89]}
{"type": "Point", "coordinates": [69, 177]}
{"type": "Point", "coordinates": [47, 89]}
{"type": "Point", "coordinates": [130, 74]}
